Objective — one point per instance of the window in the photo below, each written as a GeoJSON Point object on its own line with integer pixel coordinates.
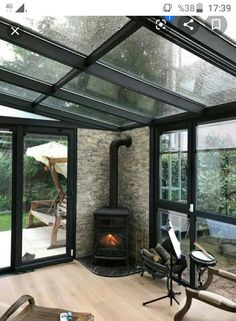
{"type": "Point", "coordinates": [173, 166]}
{"type": "Point", "coordinates": [216, 168]}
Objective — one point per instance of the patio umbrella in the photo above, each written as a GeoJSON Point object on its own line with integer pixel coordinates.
{"type": "Point", "coordinates": [54, 156]}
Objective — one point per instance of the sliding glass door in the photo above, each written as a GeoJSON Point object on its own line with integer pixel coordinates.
{"type": "Point", "coordinates": [173, 187]}
{"type": "Point", "coordinates": [37, 204]}
{"type": "Point", "coordinates": [44, 213]}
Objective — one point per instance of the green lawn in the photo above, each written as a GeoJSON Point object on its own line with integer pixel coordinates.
{"type": "Point", "coordinates": [5, 221]}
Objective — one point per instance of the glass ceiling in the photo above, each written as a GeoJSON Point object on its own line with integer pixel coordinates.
{"type": "Point", "coordinates": [81, 33]}
{"type": "Point", "coordinates": [31, 64]}
{"type": "Point", "coordinates": [110, 93]}
{"type": "Point", "coordinates": [163, 63]}
{"type": "Point", "coordinates": [13, 90]}
{"type": "Point", "coordinates": [138, 76]}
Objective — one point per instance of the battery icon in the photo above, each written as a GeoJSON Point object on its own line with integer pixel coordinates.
{"type": "Point", "coordinates": [199, 7]}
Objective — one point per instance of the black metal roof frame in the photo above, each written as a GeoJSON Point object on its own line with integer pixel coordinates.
{"type": "Point", "coordinates": [204, 43]}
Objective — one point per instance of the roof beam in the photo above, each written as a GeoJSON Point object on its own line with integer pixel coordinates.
{"type": "Point", "coordinates": [46, 89]}
{"type": "Point", "coordinates": [204, 43]}
{"type": "Point", "coordinates": [48, 123]}
{"type": "Point", "coordinates": [103, 107]}
{"type": "Point", "coordinates": [72, 117]}
{"type": "Point", "coordinates": [46, 111]}
{"type": "Point", "coordinates": [35, 42]}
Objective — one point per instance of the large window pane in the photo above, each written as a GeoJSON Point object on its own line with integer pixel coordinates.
{"type": "Point", "coordinates": [105, 91]}
{"type": "Point", "coordinates": [216, 168]}
{"type": "Point", "coordinates": [173, 166]}
{"type": "Point", "coordinates": [219, 239]}
{"type": "Point", "coordinates": [161, 62]}
{"type": "Point", "coordinates": [84, 111]}
{"type": "Point", "coordinates": [81, 33]}
{"type": "Point", "coordinates": [31, 64]}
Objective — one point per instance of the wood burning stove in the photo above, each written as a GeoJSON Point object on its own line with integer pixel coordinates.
{"type": "Point", "coordinates": [111, 233]}
{"type": "Point", "coordinates": [111, 224]}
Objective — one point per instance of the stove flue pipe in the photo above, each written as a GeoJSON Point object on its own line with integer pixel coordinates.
{"type": "Point", "coordinates": [115, 144]}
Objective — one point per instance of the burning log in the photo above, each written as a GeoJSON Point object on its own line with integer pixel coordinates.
{"type": "Point", "coordinates": [110, 240]}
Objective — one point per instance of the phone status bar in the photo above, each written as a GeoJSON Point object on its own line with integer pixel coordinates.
{"type": "Point", "coordinates": [105, 7]}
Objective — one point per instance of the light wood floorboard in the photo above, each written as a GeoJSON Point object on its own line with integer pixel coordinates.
{"type": "Point", "coordinates": [75, 288]}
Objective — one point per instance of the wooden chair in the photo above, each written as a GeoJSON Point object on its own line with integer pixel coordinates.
{"type": "Point", "coordinates": [49, 213]}
{"type": "Point", "coordinates": [32, 312]}
{"type": "Point", "coordinates": [43, 211]}
{"type": "Point", "coordinates": [223, 309]}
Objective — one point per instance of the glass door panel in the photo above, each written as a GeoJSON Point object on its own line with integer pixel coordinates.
{"type": "Point", "coordinates": [44, 196]}
{"type": "Point", "coordinates": [173, 194]}
{"type": "Point", "coordinates": [5, 197]}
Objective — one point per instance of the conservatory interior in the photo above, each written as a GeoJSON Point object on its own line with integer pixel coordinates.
{"type": "Point", "coordinates": [112, 117]}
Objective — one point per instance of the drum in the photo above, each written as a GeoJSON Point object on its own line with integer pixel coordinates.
{"type": "Point", "coordinates": [201, 259]}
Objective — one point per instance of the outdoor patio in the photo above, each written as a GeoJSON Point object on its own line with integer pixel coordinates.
{"type": "Point", "coordinates": [35, 241]}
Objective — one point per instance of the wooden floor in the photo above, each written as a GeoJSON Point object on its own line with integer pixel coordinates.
{"type": "Point", "coordinates": [75, 288]}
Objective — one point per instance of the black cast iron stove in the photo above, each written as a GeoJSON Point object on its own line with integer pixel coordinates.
{"type": "Point", "coordinates": [111, 224]}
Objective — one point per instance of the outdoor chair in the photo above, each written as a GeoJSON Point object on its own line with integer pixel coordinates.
{"type": "Point", "coordinates": [32, 312]}
{"type": "Point", "coordinates": [49, 213]}
{"type": "Point", "coordinates": [43, 211]}
{"type": "Point", "coordinates": [208, 305]}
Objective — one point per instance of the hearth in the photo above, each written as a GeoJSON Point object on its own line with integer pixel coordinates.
{"type": "Point", "coordinates": [111, 224]}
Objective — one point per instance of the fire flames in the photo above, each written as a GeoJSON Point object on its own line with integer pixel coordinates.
{"type": "Point", "coordinates": [110, 240]}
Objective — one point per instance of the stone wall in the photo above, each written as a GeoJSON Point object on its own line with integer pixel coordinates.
{"type": "Point", "coordinates": [93, 181]}
{"type": "Point", "coordinates": [134, 182]}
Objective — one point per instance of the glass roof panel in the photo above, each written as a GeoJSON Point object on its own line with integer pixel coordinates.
{"type": "Point", "coordinates": [13, 90]}
{"type": "Point", "coordinates": [81, 33]}
{"type": "Point", "coordinates": [84, 111]}
{"type": "Point", "coordinates": [30, 64]}
{"type": "Point", "coordinates": [11, 112]}
{"type": "Point", "coordinates": [153, 58]}
{"type": "Point", "coordinates": [110, 93]}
